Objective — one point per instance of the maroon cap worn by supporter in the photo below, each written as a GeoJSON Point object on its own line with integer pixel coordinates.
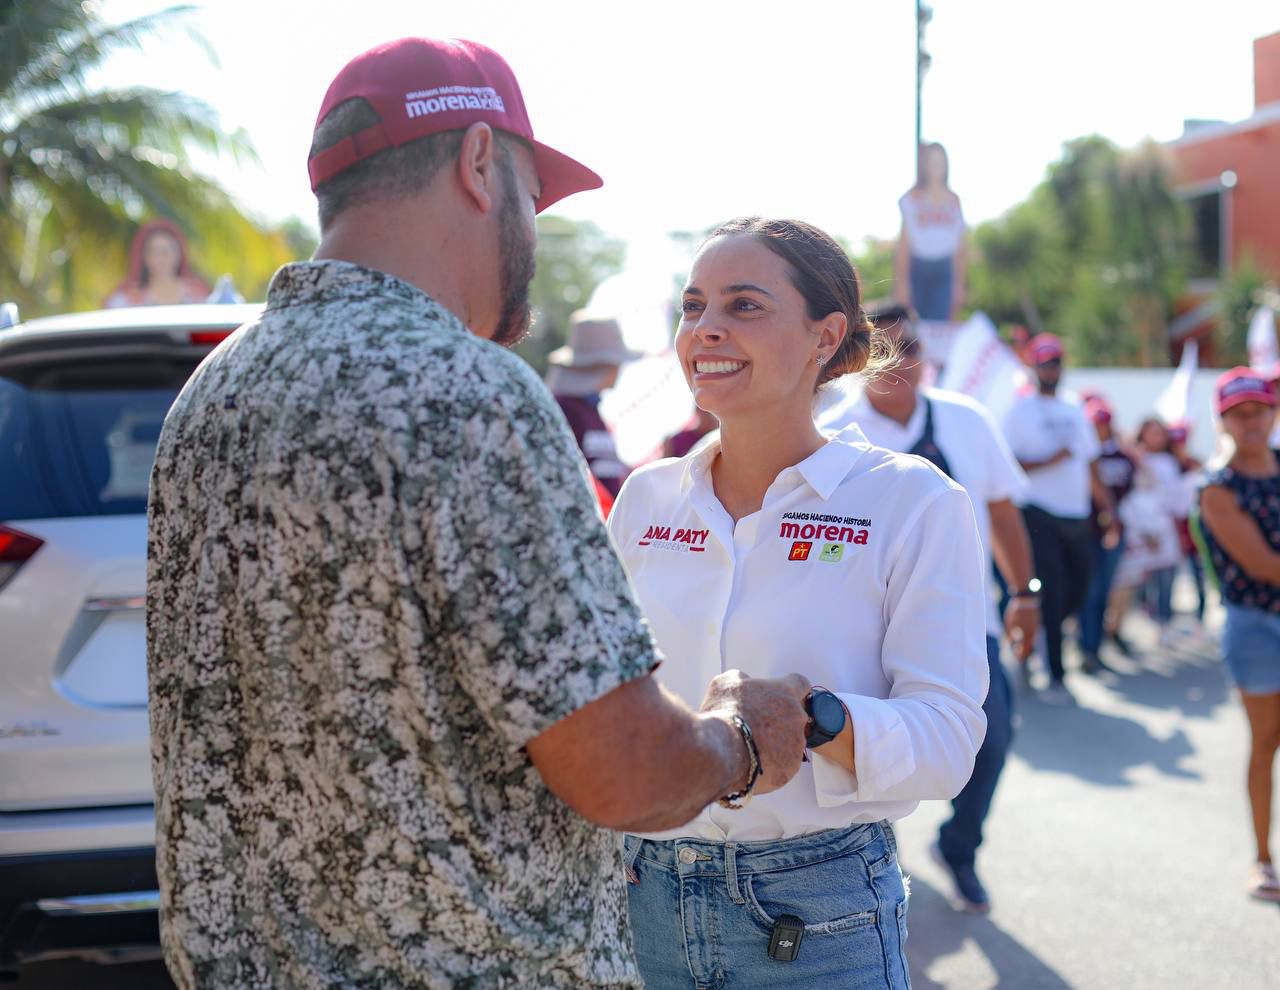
{"type": "Point", "coordinates": [1097, 409]}
{"type": "Point", "coordinates": [1242, 385]}
{"type": "Point", "coordinates": [1045, 347]}
{"type": "Point", "coordinates": [423, 86]}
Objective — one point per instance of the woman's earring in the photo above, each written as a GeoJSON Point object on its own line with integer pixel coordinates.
{"type": "Point", "coordinates": [821, 360]}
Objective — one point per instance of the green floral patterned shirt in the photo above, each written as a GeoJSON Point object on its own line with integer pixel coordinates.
{"type": "Point", "coordinates": [375, 572]}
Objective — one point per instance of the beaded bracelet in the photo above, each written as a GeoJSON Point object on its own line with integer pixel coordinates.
{"type": "Point", "coordinates": [733, 801]}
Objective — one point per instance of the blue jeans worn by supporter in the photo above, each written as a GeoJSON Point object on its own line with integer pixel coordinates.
{"type": "Point", "coordinates": [702, 912]}
{"type": "Point", "coordinates": [931, 281]}
{"type": "Point", "coordinates": [1094, 611]}
{"type": "Point", "coordinates": [1251, 649]}
{"type": "Point", "coordinates": [1160, 592]}
{"type": "Point", "coordinates": [959, 838]}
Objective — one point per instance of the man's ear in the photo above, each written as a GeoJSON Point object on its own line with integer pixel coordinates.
{"type": "Point", "coordinates": [477, 167]}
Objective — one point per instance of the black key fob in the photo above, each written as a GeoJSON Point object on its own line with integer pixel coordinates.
{"type": "Point", "coordinates": [784, 943]}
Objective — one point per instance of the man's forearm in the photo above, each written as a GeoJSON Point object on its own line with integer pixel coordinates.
{"type": "Point", "coordinates": [1010, 544]}
{"type": "Point", "coordinates": [712, 760]}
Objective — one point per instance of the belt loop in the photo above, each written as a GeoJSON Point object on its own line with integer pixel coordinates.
{"type": "Point", "coordinates": [630, 850]}
{"type": "Point", "coordinates": [890, 836]}
{"type": "Point", "coordinates": [731, 873]}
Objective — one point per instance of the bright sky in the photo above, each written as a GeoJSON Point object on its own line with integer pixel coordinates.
{"type": "Point", "coordinates": [695, 111]}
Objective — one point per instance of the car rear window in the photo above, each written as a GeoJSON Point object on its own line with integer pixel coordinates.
{"type": "Point", "coordinates": [81, 441]}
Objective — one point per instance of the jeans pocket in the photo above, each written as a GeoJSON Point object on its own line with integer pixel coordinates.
{"type": "Point", "coordinates": [827, 902]}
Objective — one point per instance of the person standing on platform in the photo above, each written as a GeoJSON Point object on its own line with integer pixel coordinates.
{"type": "Point", "coordinates": [930, 261]}
{"type": "Point", "coordinates": [1058, 449]}
{"type": "Point", "coordinates": [580, 371]}
{"type": "Point", "coordinates": [960, 438]}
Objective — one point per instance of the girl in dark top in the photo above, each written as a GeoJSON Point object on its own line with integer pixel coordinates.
{"type": "Point", "coordinates": [1240, 509]}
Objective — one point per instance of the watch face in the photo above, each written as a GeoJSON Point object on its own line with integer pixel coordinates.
{"type": "Point", "coordinates": [828, 713]}
{"type": "Point", "coordinates": [1033, 586]}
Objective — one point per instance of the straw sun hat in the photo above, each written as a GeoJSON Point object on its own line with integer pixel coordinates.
{"type": "Point", "coordinates": [584, 365]}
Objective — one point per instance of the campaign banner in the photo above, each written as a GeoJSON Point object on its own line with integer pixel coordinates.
{"type": "Point", "coordinates": [983, 367]}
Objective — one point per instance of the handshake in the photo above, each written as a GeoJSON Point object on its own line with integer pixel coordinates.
{"type": "Point", "coordinates": [774, 711]}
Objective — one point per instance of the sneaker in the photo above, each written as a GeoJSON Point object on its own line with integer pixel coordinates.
{"type": "Point", "coordinates": [1094, 664]}
{"type": "Point", "coordinates": [971, 896]}
{"type": "Point", "coordinates": [1263, 884]}
{"type": "Point", "coordinates": [1057, 694]}
{"type": "Point", "coordinates": [1121, 644]}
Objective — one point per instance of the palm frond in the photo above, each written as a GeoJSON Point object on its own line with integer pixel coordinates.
{"type": "Point", "coordinates": [172, 122]}
{"type": "Point", "coordinates": [65, 62]}
{"type": "Point", "coordinates": [30, 31]}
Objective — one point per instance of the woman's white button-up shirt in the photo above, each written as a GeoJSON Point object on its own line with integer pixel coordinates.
{"type": "Point", "coordinates": [863, 571]}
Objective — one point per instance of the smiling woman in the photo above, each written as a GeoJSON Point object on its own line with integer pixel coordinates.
{"type": "Point", "coordinates": [771, 312]}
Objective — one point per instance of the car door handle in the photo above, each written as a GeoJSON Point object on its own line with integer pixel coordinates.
{"type": "Point", "coordinates": [130, 604]}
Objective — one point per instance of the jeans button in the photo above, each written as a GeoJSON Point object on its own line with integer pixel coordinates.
{"type": "Point", "coordinates": [688, 856]}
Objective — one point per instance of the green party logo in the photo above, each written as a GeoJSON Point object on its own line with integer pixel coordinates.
{"type": "Point", "coordinates": [832, 553]}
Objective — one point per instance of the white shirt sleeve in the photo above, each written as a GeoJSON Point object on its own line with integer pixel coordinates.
{"type": "Point", "coordinates": [1005, 477]}
{"type": "Point", "coordinates": [920, 743]}
{"type": "Point", "coordinates": [1090, 446]}
{"type": "Point", "coordinates": [1014, 428]}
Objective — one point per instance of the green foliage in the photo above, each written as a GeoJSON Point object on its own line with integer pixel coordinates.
{"type": "Point", "coordinates": [875, 268]}
{"type": "Point", "coordinates": [1096, 254]}
{"type": "Point", "coordinates": [80, 168]}
{"type": "Point", "coordinates": [574, 256]}
{"type": "Point", "coordinates": [1239, 295]}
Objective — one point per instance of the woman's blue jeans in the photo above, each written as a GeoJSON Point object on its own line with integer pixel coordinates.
{"type": "Point", "coordinates": [932, 287]}
{"type": "Point", "coordinates": [1094, 611]}
{"type": "Point", "coordinates": [702, 912]}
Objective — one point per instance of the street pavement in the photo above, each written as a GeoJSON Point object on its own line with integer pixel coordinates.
{"type": "Point", "coordinates": [1118, 846]}
{"type": "Point", "coordinates": [1116, 853]}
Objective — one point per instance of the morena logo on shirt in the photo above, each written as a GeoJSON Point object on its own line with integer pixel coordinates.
{"type": "Point", "coordinates": [681, 540]}
{"type": "Point", "coordinates": [832, 529]}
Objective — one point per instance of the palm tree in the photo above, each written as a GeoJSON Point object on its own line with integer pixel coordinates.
{"type": "Point", "coordinates": [79, 166]}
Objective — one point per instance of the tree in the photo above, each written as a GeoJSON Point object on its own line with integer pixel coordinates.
{"type": "Point", "coordinates": [1096, 254]}
{"type": "Point", "coordinates": [79, 167]}
{"type": "Point", "coordinates": [1239, 295]}
{"type": "Point", "coordinates": [574, 256]}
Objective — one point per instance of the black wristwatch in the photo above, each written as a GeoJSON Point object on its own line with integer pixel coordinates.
{"type": "Point", "coordinates": [826, 717]}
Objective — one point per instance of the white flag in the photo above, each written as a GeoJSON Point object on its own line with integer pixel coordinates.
{"type": "Point", "coordinates": [1264, 355]}
{"type": "Point", "coordinates": [981, 366]}
{"type": "Point", "coordinates": [1175, 401]}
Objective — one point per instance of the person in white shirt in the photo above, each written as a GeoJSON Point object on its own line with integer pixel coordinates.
{"type": "Point", "coordinates": [1058, 449]}
{"type": "Point", "coordinates": [1155, 449]}
{"type": "Point", "coordinates": [773, 548]}
{"type": "Point", "coordinates": [929, 263]}
{"type": "Point", "coordinates": [958, 435]}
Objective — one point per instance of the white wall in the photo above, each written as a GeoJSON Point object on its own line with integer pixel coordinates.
{"type": "Point", "coordinates": [1132, 393]}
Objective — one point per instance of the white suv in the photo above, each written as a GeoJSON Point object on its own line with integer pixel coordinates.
{"type": "Point", "coordinates": [82, 399]}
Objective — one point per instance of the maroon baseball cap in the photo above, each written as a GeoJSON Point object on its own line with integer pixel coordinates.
{"type": "Point", "coordinates": [422, 86]}
{"type": "Point", "coordinates": [1045, 347]}
{"type": "Point", "coordinates": [1098, 409]}
{"type": "Point", "coordinates": [1242, 385]}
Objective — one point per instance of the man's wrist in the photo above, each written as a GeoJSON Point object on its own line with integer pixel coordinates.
{"type": "Point", "coordinates": [734, 755]}
{"type": "Point", "coordinates": [1031, 590]}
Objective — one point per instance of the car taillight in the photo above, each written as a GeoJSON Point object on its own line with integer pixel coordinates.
{"type": "Point", "coordinates": [210, 336]}
{"type": "Point", "coordinates": [16, 548]}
